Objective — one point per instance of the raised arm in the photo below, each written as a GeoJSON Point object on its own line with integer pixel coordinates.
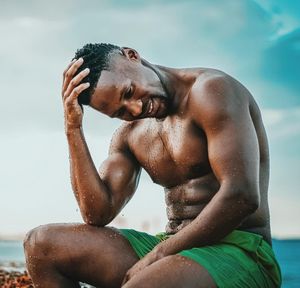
{"type": "Point", "coordinates": [102, 195]}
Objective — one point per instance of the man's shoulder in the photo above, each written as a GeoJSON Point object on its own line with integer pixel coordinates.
{"type": "Point", "coordinates": [121, 135]}
{"type": "Point", "coordinates": [212, 82]}
{"type": "Point", "coordinates": [216, 92]}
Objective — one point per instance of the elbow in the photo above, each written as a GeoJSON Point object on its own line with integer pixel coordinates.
{"type": "Point", "coordinates": [251, 203]}
{"type": "Point", "coordinates": [99, 219]}
{"type": "Point", "coordinates": [96, 212]}
{"type": "Point", "coordinates": [94, 222]}
{"type": "Point", "coordinates": [247, 203]}
{"type": "Point", "coordinates": [250, 198]}
{"type": "Point", "coordinates": [245, 196]}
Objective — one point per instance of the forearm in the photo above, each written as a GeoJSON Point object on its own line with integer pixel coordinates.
{"type": "Point", "coordinates": [220, 217]}
{"type": "Point", "coordinates": [91, 193]}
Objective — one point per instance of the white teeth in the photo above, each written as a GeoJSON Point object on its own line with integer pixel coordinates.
{"type": "Point", "coordinates": [151, 107]}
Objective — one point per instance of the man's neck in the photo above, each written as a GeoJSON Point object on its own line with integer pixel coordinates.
{"type": "Point", "coordinates": [176, 82]}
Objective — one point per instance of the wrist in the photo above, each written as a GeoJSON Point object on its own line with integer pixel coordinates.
{"type": "Point", "coordinates": [159, 251]}
{"type": "Point", "coordinates": [71, 130]}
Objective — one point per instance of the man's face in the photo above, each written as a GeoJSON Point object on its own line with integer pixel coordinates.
{"type": "Point", "coordinates": [129, 91]}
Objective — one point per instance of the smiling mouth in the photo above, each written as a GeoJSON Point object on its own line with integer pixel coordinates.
{"type": "Point", "coordinates": [152, 108]}
{"type": "Point", "coordinates": [147, 109]}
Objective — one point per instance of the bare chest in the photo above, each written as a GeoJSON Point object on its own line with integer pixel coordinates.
{"type": "Point", "coordinates": [171, 151]}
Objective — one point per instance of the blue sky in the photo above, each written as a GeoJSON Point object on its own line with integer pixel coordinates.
{"type": "Point", "coordinates": [257, 42]}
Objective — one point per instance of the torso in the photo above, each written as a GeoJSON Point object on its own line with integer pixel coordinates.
{"type": "Point", "coordinates": [174, 153]}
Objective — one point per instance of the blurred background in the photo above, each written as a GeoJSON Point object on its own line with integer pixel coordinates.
{"type": "Point", "coordinates": [257, 42]}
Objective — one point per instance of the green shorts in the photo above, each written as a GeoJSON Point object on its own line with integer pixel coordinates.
{"type": "Point", "coordinates": [241, 259]}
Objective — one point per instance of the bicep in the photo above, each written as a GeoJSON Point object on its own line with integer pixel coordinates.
{"type": "Point", "coordinates": [120, 172]}
{"type": "Point", "coordinates": [233, 149]}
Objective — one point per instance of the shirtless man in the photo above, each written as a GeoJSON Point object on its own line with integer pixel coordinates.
{"type": "Point", "coordinates": [199, 134]}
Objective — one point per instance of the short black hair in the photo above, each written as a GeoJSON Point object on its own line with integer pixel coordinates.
{"type": "Point", "coordinates": [97, 58]}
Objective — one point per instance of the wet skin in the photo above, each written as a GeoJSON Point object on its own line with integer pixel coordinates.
{"type": "Point", "coordinates": [198, 133]}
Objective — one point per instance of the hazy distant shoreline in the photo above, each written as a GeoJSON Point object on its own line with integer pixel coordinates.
{"type": "Point", "coordinates": [20, 237]}
{"type": "Point", "coordinates": [12, 237]}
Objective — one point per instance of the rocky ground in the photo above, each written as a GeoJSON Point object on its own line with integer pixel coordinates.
{"type": "Point", "coordinates": [14, 279]}
{"type": "Point", "coordinates": [13, 274]}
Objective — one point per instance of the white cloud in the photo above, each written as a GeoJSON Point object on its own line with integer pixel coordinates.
{"type": "Point", "coordinates": [282, 123]}
{"type": "Point", "coordinates": [272, 116]}
{"type": "Point", "coordinates": [285, 214]}
{"type": "Point", "coordinates": [280, 11]}
{"type": "Point", "coordinates": [39, 45]}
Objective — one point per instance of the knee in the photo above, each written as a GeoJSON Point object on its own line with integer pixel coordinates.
{"type": "Point", "coordinates": [37, 240]}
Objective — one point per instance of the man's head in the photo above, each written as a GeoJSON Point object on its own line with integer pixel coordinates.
{"type": "Point", "coordinates": [121, 85]}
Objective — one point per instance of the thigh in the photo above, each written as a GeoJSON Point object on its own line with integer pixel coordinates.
{"type": "Point", "coordinates": [173, 271]}
{"type": "Point", "coordinates": [96, 255]}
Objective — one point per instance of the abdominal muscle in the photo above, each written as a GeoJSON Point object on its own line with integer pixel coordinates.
{"type": "Point", "coordinates": [185, 202]}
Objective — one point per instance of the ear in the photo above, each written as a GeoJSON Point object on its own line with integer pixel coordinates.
{"type": "Point", "coordinates": [131, 54]}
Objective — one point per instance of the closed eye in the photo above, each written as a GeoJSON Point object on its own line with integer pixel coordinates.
{"type": "Point", "coordinates": [128, 93]}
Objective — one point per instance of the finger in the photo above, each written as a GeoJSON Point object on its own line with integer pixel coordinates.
{"type": "Point", "coordinates": [69, 65]}
{"type": "Point", "coordinates": [65, 71]}
{"type": "Point", "coordinates": [70, 72]}
{"type": "Point", "coordinates": [73, 65]}
{"type": "Point", "coordinates": [76, 80]}
{"type": "Point", "coordinates": [125, 280]}
{"type": "Point", "coordinates": [76, 92]}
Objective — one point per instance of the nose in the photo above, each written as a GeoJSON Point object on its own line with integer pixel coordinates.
{"type": "Point", "coordinates": [134, 107]}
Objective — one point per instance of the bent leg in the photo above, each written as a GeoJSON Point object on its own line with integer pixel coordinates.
{"type": "Point", "coordinates": [61, 255]}
{"type": "Point", "coordinates": [172, 271]}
